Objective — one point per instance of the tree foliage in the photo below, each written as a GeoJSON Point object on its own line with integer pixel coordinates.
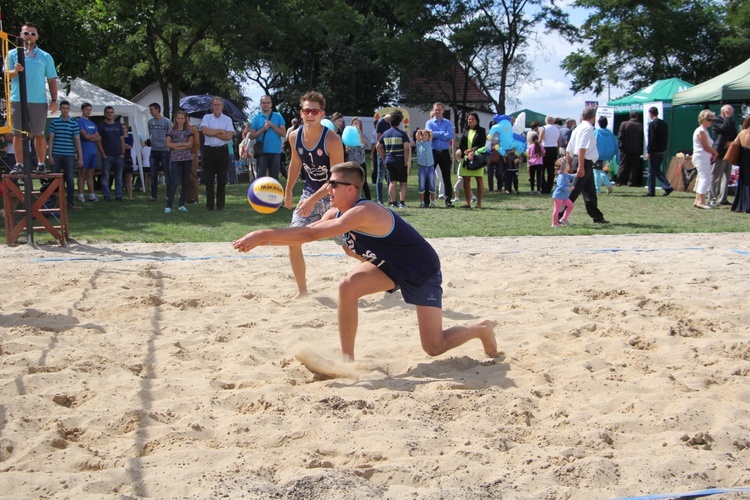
{"type": "Point", "coordinates": [489, 40]}
{"type": "Point", "coordinates": [632, 43]}
{"type": "Point", "coordinates": [73, 44]}
{"type": "Point", "coordinates": [511, 25]}
{"type": "Point", "coordinates": [337, 51]}
{"type": "Point", "coordinates": [360, 54]}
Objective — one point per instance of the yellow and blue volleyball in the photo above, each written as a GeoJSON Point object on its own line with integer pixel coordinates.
{"type": "Point", "coordinates": [265, 195]}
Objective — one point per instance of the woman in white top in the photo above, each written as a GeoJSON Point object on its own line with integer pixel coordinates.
{"type": "Point", "coordinates": [549, 137]}
{"type": "Point", "coordinates": [703, 156]}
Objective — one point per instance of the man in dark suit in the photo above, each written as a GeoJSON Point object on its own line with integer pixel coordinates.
{"type": "Point", "coordinates": [631, 149]}
{"type": "Point", "coordinates": [658, 133]}
{"type": "Point", "coordinates": [724, 131]}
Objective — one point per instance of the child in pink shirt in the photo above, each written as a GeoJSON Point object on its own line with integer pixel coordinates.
{"type": "Point", "coordinates": [536, 162]}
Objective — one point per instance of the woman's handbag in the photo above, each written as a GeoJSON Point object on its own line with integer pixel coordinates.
{"type": "Point", "coordinates": [479, 161]}
{"type": "Point", "coordinates": [733, 153]}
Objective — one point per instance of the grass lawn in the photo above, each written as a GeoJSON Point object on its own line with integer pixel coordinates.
{"type": "Point", "coordinates": [627, 209]}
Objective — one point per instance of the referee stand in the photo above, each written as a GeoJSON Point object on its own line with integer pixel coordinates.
{"type": "Point", "coordinates": [24, 209]}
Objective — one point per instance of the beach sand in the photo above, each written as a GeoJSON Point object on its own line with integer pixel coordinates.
{"type": "Point", "coordinates": [165, 371]}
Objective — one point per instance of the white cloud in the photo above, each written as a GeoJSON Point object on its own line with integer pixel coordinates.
{"type": "Point", "coordinates": [553, 97]}
{"type": "Point", "coordinates": [552, 94]}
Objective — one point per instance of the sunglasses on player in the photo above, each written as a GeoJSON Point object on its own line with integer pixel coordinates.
{"type": "Point", "coordinates": [31, 33]}
{"type": "Point", "coordinates": [335, 184]}
{"type": "Point", "coordinates": [310, 111]}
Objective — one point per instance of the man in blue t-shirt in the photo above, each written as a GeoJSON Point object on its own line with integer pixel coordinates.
{"type": "Point", "coordinates": [394, 150]}
{"type": "Point", "coordinates": [112, 149]}
{"type": "Point", "coordinates": [90, 139]}
{"type": "Point", "coordinates": [269, 128]}
{"type": "Point", "coordinates": [39, 71]}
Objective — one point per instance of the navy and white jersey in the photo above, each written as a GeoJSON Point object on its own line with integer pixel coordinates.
{"type": "Point", "coordinates": [316, 163]}
{"type": "Point", "coordinates": [402, 254]}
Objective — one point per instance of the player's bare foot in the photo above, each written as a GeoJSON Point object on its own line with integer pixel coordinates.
{"type": "Point", "coordinates": [300, 295]}
{"type": "Point", "coordinates": [488, 338]}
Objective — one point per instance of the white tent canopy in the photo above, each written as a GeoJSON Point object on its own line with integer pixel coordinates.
{"type": "Point", "coordinates": [81, 91]}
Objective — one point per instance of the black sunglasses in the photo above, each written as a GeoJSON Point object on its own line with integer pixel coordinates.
{"type": "Point", "coordinates": [333, 183]}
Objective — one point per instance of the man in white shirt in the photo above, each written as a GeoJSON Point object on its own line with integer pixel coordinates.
{"type": "Point", "coordinates": [218, 131]}
{"type": "Point", "coordinates": [580, 154]}
{"type": "Point", "coordinates": [549, 137]}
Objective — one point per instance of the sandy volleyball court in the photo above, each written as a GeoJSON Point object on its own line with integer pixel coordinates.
{"type": "Point", "coordinates": [169, 371]}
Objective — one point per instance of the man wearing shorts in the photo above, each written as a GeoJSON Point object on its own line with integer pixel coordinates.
{"type": "Point", "coordinates": [39, 70]}
{"type": "Point", "coordinates": [394, 256]}
{"type": "Point", "coordinates": [313, 150]}
{"type": "Point", "coordinates": [394, 150]}
{"type": "Point", "coordinates": [89, 139]}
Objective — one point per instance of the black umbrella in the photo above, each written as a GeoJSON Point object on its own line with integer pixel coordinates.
{"type": "Point", "coordinates": [199, 105]}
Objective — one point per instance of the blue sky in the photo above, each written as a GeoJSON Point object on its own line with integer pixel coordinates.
{"type": "Point", "coordinates": [552, 96]}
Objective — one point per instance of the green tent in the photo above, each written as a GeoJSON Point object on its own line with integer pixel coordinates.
{"type": "Point", "coordinates": [660, 90]}
{"type": "Point", "coordinates": [732, 86]}
{"type": "Point", "coordinates": [530, 116]}
{"type": "Point", "coordinates": [681, 121]}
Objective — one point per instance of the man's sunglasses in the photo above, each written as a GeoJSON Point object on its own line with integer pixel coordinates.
{"type": "Point", "coordinates": [333, 183]}
{"type": "Point", "coordinates": [29, 33]}
{"type": "Point", "coordinates": [309, 111]}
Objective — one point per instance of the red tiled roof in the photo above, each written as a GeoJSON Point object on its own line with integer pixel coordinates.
{"type": "Point", "coordinates": [445, 89]}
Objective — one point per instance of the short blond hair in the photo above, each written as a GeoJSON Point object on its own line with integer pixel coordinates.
{"type": "Point", "coordinates": [705, 115]}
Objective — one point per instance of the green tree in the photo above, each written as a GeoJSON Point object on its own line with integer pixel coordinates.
{"type": "Point", "coordinates": [512, 25]}
{"type": "Point", "coordinates": [330, 47]}
{"type": "Point", "coordinates": [74, 31]}
{"type": "Point", "coordinates": [489, 40]}
{"type": "Point", "coordinates": [632, 43]}
{"type": "Point", "coordinates": [178, 44]}
{"type": "Point", "coordinates": [737, 40]}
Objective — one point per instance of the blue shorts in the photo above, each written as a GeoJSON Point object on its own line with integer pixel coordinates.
{"type": "Point", "coordinates": [429, 293]}
{"type": "Point", "coordinates": [89, 161]}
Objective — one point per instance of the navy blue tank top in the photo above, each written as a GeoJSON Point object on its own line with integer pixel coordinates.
{"type": "Point", "coordinates": [316, 163]}
{"type": "Point", "coordinates": [402, 254]}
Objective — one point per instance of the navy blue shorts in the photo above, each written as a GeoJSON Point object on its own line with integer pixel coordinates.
{"type": "Point", "coordinates": [429, 293]}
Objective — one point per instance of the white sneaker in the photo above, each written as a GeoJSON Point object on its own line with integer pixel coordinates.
{"type": "Point", "coordinates": [81, 198]}
{"type": "Point", "coordinates": [441, 197]}
{"type": "Point", "coordinates": [93, 197]}
{"type": "Point", "coordinates": [455, 200]}
{"type": "Point", "coordinates": [566, 222]}
{"type": "Point", "coordinates": [167, 210]}
{"type": "Point", "coordinates": [182, 209]}
{"type": "Point", "coordinates": [473, 199]}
